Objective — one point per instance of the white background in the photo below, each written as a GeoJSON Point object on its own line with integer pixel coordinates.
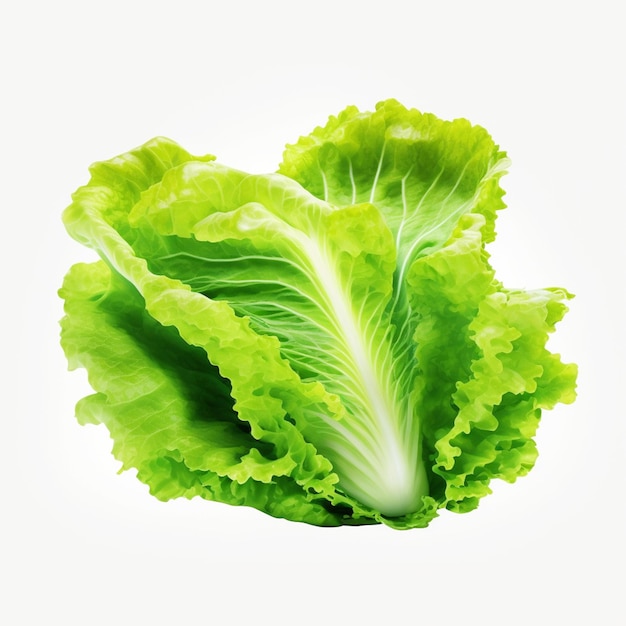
{"type": "Point", "coordinates": [85, 81]}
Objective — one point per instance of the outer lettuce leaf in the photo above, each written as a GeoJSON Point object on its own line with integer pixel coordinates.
{"type": "Point", "coordinates": [485, 371]}
{"type": "Point", "coordinates": [168, 410]}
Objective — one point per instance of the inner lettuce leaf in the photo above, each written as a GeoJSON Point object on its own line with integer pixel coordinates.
{"type": "Point", "coordinates": [327, 344]}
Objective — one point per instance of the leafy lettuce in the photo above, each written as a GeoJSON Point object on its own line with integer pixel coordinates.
{"type": "Point", "coordinates": [329, 343]}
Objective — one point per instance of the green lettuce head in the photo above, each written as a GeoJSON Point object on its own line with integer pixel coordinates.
{"type": "Point", "coordinates": [327, 344]}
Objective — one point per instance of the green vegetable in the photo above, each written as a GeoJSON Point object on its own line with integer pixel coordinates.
{"type": "Point", "coordinates": [328, 344]}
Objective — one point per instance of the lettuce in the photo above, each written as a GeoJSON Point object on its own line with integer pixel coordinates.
{"type": "Point", "coordinates": [329, 343]}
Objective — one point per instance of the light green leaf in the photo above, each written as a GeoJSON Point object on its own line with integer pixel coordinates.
{"type": "Point", "coordinates": [437, 185]}
{"type": "Point", "coordinates": [320, 280]}
{"type": "Point", "coordinates": [169, 412]}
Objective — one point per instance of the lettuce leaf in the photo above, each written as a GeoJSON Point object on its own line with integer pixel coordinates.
{"type": "Point", "coordinates": [327, 344]}
{"type": "Point", "coordinates": [484, 372]}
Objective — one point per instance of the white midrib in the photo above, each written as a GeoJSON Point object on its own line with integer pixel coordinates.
{"type": "Point", "coordinates": [396, 470]}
